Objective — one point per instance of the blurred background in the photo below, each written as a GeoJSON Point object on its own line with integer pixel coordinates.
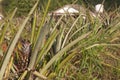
{"type": "Point", "coordinates": [24, 6]}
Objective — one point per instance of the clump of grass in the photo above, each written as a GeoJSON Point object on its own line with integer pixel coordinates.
{"type": "Point", "coordinates": [73, 49]}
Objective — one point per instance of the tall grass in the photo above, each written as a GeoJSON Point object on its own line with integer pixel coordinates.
{"type": "Point", "coordinates": [65, 48]}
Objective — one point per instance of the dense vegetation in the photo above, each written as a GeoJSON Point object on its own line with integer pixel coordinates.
{"type": "Point", "coordinates": [36, 46]}
{"type": "Point", "coordinates": [24, 6]}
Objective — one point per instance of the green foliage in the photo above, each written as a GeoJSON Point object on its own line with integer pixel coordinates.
{"type": "Point", "coordinates": [68, 48]}
{"type": "Point", "coordinates": [23, 6]}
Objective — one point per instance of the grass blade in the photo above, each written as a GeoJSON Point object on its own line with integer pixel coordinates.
{"type": "Point", "coordinates": [12, 46]}
{"type": "Point", "coordinates": [61, 52]}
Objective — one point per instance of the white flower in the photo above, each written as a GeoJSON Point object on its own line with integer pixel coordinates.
{"type": "Point", "coordinates": [67, 9]}
{"type": "Point", "coordinates": [99, 8]}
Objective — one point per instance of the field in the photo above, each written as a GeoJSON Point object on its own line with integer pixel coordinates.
{"type": "Point", "coordinates": [42, 47]}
